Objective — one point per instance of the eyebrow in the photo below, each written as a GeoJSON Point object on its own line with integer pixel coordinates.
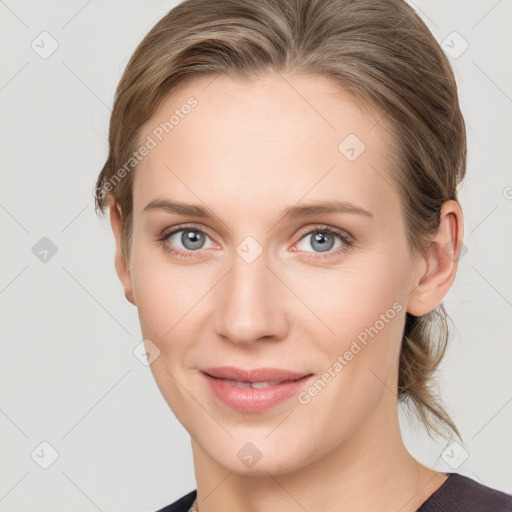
{"type": "Point", "coordinates": [290, 212]}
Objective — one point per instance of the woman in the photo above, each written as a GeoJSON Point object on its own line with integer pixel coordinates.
{"type": "Point", "coordinates": [282, 186]}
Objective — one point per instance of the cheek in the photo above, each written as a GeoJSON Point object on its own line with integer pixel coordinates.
{"type": "Point", "coordinates": [361, 313]}
{"type": "Point", "coordinates": [157, 302]}
{"type": "Point", "coordinates": [166, 294]}
{"type": "Point", "coordinates": [342, 302]}
{"type": "Point", "coordinates": [169, 304]}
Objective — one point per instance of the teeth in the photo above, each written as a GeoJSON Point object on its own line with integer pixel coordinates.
{"type": "Point", "coordinates": [256, 385]}
{"type": "Point", "coordinates": [260, 385]}
{"type": "Point", "coordinates": [238, 384]}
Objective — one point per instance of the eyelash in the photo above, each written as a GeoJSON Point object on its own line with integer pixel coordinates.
{"type": "Point", "coordinates": [347, 242]}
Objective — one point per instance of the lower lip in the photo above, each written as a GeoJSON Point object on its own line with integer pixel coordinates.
{"type": "Point", "coordinates": [254, 400]}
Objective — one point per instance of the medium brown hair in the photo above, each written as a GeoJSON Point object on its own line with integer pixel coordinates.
{"type": "Point", "coordinates": [378, 51]}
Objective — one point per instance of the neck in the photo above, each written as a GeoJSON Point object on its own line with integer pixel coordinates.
{"type": "Point", "coordinates": [371, 470]}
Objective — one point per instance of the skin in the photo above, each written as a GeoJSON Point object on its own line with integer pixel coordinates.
{"type": "Point", "coordinates": [247, 151]}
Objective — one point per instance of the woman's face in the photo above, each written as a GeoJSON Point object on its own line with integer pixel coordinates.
{"type": "Point", "coordinates": [257, 282]}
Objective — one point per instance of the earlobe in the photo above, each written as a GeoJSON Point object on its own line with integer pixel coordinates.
{"type": "Point", "coordinates": [122, 269]}
{"type": "Point", "coordinates": [439, 267]}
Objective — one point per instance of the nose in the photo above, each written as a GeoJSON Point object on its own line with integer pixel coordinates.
{"type": "Point", "coordinates": [251, 303]}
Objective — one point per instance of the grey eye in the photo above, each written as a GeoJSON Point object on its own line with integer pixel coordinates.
{"type": "Point", "coordinates": [320, 241]}
{"type": "Point", "coordinates": [190, 239]}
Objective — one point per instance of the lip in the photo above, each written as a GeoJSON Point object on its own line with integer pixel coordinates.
{"type": "Point", "coordinates": [252, 400]}
{"type": "Point", "coordinates": [254, 374]}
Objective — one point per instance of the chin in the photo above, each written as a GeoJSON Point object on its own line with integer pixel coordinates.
{"type": "Point", "coordinates": [264, 468]}
{"type": "Point", "coordinates": [260, 457]}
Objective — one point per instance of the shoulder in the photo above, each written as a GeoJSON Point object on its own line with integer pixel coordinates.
{"type": "Point", "coordinates": [181, 505]}
{"type": "Point", "coordinates": [460, 493]}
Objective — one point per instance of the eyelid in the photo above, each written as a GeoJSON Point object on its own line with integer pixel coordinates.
{"type": "Point", "coordinates": [179, 227]}
{"type": "Point", "coordinates": [325, 227]}
{"type": "Point", "coordinates": [305, 231]}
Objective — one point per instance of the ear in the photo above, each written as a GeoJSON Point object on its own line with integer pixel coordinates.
{"type": "Point", "coordinates": [436, 272]}
{"type": "Point", "coordinates": [122, 269]}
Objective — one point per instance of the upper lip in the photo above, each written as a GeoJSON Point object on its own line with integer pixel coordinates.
{"type": "Point", "coordinates": [253, 375]}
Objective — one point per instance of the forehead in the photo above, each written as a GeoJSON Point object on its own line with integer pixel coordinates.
{"type": "Point", "coordinates": [279, 137]}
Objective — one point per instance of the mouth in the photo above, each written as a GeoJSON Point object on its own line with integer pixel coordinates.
{"type": "Point", "coordinates": [254, 390]}
{"type": "Point", "coordinates": [253, 385]}
{"type": "Point", "coordinates": [254, 375]}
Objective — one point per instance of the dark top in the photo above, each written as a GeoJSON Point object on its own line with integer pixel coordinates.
{"type": "Point", "coordinates": [458, 493]}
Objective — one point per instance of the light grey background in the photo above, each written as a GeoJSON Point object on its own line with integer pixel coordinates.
{"type": "Point", "coordinates": [67, 369]}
